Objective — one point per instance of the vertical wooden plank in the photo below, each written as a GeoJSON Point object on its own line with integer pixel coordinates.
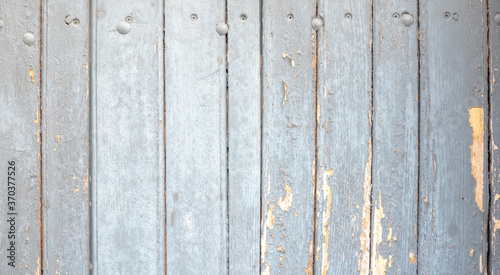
{"type": "Point", "coordinates": [196, 137]}
{"type": "Point", "coordinates": [288, 125]}
{"type": "Point", "coordinates": [129, 152]}
{"type": "Point", "coordinates": [244, 136]}
{"type": "Point", "coordinates": [20, 137]}
{"type": "Point", "coordinates": [344, 138]}
{"type": "Point", "coordinates": [395, 137]}
{"type": "Point", "coordinates": [494, 54]}
{"type": "Point", "coordinates": [453, 134]}
{"type": "Point", "coordinates": [65, 109]}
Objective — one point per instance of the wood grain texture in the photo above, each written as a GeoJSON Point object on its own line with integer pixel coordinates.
{"type": "Point", "coordinates": [20, 134]}
{"type": "Point", "coordinates": [244, 136]}
{"type": "Point", "coordinates": [395, 137]}
{"type": "Point", "coordinates": [65, 109]}
{"type": "Point", "coordinates": [453, 137]}
{"type": "Point", "coordinates": [288, 125]}
{"type": "Point", "coordinates": [494, 48]}
{"type": "Point", "coordinates": [129, 152]}
{"type": "Point", "coordinates": [196, 137]}
{"type": "Point", "coordinates": [344, 138]}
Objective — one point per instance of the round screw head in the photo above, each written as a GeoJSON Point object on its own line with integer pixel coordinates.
{"type": "Point", "coordinates": [497, 19]}
{"type": "Point", "coordinates": [348, 16]}
{"type": "Point", "coordinates": [446, 15]}
{"type": "Point", "coordinates": [316, 24]}
{"type": "Point", "coordinates": [243, 18]}
{"type": "Point", "coordinates": [222, 28]}
{"type": "Point", "coordinates": [395, 15]}
{"type": "Point", "coordinates": [76, 22]}
{"type": "Point", "coordinates": [128, 19]}
{"type": "Point", "coordinates": [123, 27]}
{"type": "Point", "coordinates": [193, 17]}
{"type": "Point", "coordinates": [289, 17]}
{"type": "Point", "coordinates": [29, 39]}
{"type": "Point", "coordinates": [407, 19]}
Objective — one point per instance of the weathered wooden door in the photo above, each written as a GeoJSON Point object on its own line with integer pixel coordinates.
{"type": "Point", "coordinates": [249, 137]}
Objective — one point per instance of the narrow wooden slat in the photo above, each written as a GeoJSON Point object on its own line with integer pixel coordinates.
{"type": "Point", "coordinates": [20, 137]}
{"type": "Point", "coordinates": [196, 137]}
{"type": "Point", "coordinates": [494, 47]}
{"type": "Point", "coordinates": [395, 137]}
{"type": "Point", "coordinates": [129, 152]}
{"type": "Point", "coordinates": [453, 205]}
{"type": "Point", "coordinates": [288, 125]}
{"type": "Point", "coordinates": [65, 107]}
{"type": "Point", "coordinates": [244, 136]}
{"type": "Point", "coordinates": [344, 138]}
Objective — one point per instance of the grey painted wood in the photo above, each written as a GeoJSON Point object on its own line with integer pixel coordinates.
{"type": "Point", "coordinates": [196, 137]}
{"type": "Point", "coordinates": [344, 138]}
{"type": "Point", "coordinates": [129, 150]}
{"type": "Point", "coordinates": [395, 137]}
{"type": "Point", "coordinates": [20, 134]}
{"type": "Point", "coordinates": [65, 109]}
{"type": "Point", "coordinates": [288, 137]}
{"type": "Point", "coordinates": [494, 48]}
{"type": "Point", "coordinates": [244, 136]}
{"type": "Point", "coordinates": [453, 137]}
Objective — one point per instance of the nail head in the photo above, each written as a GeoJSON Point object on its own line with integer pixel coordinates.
{"type": "Point", "coordinates": [123, 27]}
{"type": "Point", "coordinates": [407, 19]}
{"type": "Point", "coordinates": [317, 23]}
{"type": "Point", "coordinates": [222, 28]}
{"type": "Point", "coordinates": [29, 39]}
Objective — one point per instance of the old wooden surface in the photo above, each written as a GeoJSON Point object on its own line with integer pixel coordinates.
{"type": "Point", "coordinates": [314, 137]}
{"type": "Point", "coordinates": [20, 137]}
{"type": "Point", "coordinates": [453, 196]}
{"type": "Point", "coordinates": [129, 153]}
{"type": "Point", "coordinates": [65, 106]}
{"type": "Point", "coordinates": [288, 136]}
{"type": "Point", "coordinates": [196, 138]}
{"type": "Point", "coordinates": [343, 172]}
{"type": "Point", "coordinates": [395, 137]}
{"type": "Point", "coordinates": [244, 136]}
{"type": "Point", "coordinates": [494, 92]}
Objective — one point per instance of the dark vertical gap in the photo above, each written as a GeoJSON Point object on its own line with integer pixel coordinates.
{"type": "Point", "coordinates": [40, 120]}
{"type": "Point", "coordinates": [164, 135]}
{"type": "Point", "coordinates": [490, 129]}
{"type": "Point", "coordinates": [371, 137]}
{"type": "Point", "coordinates": [92, 32]}
{"type": "Point", "coordinates": [227, 137]}
{"type": "Point", "coordinates": [418, 129]}
{"type": "Point", "coordinates": [261, 19]}
{"type": "Point", "coordinates": [315, 189]}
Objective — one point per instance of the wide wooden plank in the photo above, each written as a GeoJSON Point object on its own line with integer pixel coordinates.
{"type": "Point", "coordinates": [344, 97]}
{"type": "Point", "coordinates": [395, 137]}
{"type": "Point", "coordinates": [494, 67]}
{"type": "Point", "coordinates": [20, 138]}
{"type": "Point", "coordinates": [244, 136]}
{"type": "Point", "coordinates": [196, 137]}
{"type": "Point", "coordinates": [129, 150]}
{"type": "Point", "coordinates": [288, 138]}
{"type": "Point", "coordinates": [453, 200]}
{"type": "Point", "coordinates": [65, 109]}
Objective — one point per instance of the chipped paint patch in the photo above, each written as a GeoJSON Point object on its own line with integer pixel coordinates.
{"type": "Point", "coordinates": [280, 248]}
{"type": "Point", "coordinates": [378, 262]}
{"type": "Point", "coordinates": [413, 259]}
{"type": "Point", "coordinates": [267, 271]}
{"type": "Point", "coordinates": [31, 75]}
{"type": "Point", "coordinates": [77, 189]}
{"type": "Point", "coordinates": [476, 120]}
{"type": "Point", "coordinates": [364, 239]}
{"type": "Point", "coordinates": [471, 253]}
{"type": "Point", "coordinates": [286, 93]}
{"type": "Point", "coordinates": [496, 226]}
{"type": "Point", "coordinates": [309, 270]}
{"type": "Point", "coordinates": [327, 196]}
{"type": "Point", "coordinates": [285, 203]}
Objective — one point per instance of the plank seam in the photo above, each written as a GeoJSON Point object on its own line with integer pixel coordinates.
{"type": "Point", "coordinates": [316, 101]}
{"type": "Point", "coordinates": [490, 129]}
{"type": "Point", "coordinates": [261, 47]}
{"type": "Point", "coordinates": [164, 137]}
{"type": "Point", "coordinates": [371, 138]}
{"type": "Point", "coordinates": [418, 131]}
{"type": "Point", "coordinates": [227, 138]}
{"type": "Point", "coordinates": [43, 55]}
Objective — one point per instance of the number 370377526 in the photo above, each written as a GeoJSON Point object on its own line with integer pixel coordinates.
{"type": "Point", "coordinates": [11, 185]}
